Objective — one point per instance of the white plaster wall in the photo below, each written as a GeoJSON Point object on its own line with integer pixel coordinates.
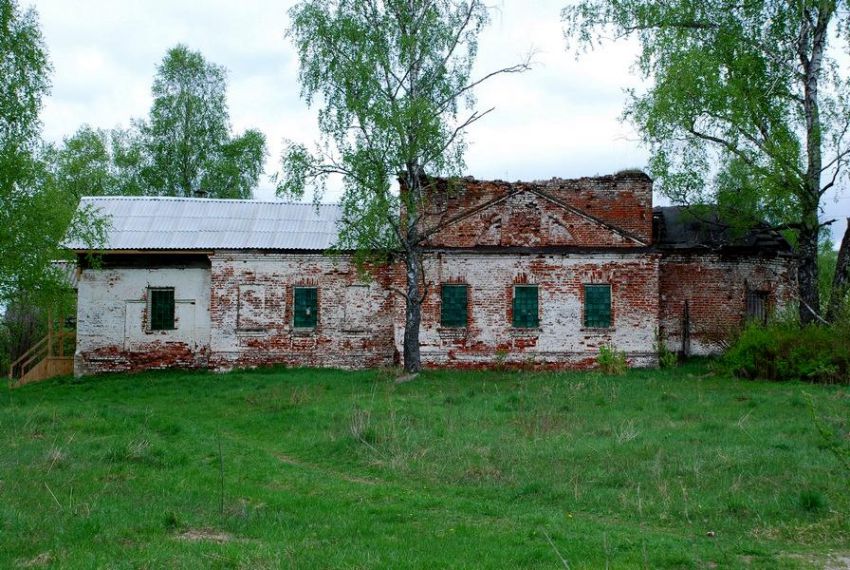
{"type": "Point", "coordinates": [561, 337]}
{"type": "Point", "coordinates": [111, 309]}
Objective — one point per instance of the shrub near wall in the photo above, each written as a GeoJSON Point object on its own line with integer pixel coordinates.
{"type": "Point", "coordinates": [788, 352]}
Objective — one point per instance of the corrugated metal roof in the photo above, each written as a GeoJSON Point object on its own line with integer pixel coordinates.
{"type": "Point", "coordinates": [163, 223]}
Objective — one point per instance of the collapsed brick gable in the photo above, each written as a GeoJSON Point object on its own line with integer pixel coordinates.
{"type": "Point", "coordinates": [623, 200]}
{"type": "Point", "coordinates": [611, 211]}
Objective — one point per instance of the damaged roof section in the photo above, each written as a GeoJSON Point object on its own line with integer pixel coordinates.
{"type": "Point", "coordinates": [681, 228]}
{"type": "Point", "coordinates": [164, 223]}
{"type": "Point", "coordinates": [613, 211]}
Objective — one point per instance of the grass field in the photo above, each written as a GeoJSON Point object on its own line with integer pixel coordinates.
{"type": "Point", "coordinates": [311, 469]}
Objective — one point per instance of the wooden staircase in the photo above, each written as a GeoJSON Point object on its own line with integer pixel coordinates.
{"type": "Point", "coordinates": [46, 359]}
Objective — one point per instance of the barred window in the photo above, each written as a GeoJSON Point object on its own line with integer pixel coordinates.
{"type": "Point", "coordinates": [757, 306]}
{"type": "Point", "coordinates": [161, 308]}
{"type": "Point", "coordinates": [526, 314]}
{"type": "Point", "coordinates": [597, 306]}
{"type": "Point", "coordinates": [453, 306]}
{"type": "Point", "coordinates": [306, 307]}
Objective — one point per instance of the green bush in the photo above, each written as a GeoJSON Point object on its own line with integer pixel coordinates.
{"type": "Point", "coordinates": [611, 361]}
{"type": "Point", "coordinates": [666, 357]}
{"type": "Point", "coordinates": [787, 352]}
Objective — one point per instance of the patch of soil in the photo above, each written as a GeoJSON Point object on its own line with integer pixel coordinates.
{"type": "Point", "coordinates": [832, 561]}
{"type": "Point", "coordinates": [838, 562]}
{"type": "Point", "coordinates": [42, 559]}
{"type": "Point", "coordinates": [195, 535]}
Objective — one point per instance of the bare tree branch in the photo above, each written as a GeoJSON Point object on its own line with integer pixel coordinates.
{"type": "Point", "coordinates": [518, 68]}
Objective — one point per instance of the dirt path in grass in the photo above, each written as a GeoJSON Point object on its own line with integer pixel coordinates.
{"type": "Point", "coordinates": [289, 460]}
{"type": "Point", "coordinates": [838, 562]}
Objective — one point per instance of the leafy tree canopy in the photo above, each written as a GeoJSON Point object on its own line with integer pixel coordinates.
{"type": "Point", "coordinates": [184, 147]}
{"type": "Point", "coordinates": [98, 162]}
{"type": "Point", "coordinates": [749, 108]}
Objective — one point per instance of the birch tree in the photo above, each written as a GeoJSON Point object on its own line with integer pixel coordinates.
{"type": "Point", "coordinates": [35, 212]}
{"type": "Point", "coordinates": [394, 85]}
{"type": "Point", "coordinates": [187, 137]}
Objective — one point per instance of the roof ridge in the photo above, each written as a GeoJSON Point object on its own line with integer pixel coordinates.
{"type": "Point", "coordinates": [622, 173]}
{"type": "Point", "coordinates": [197, 200]}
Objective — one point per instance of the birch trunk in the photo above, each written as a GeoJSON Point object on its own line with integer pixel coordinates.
{"type": "Point", "coordinates": [413, 311]}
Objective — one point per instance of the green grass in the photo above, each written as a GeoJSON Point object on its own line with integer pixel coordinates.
{"type": "Point", "coordinates": [655, 469]}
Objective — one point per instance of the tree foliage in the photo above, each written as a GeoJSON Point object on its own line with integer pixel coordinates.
{"type": "Point", "coordinates": [20, 328]}
{"type": "Point", "coordinates": [237, 167]}
{"type": "Point", "coordinates": [393, 80]}
{"type": "Point", "coordinates": [24, 81]}
{"type": "Point", "coordinates": [749, 108]}
{"type": "Point", "coordinates": [187, 136]}
{"type": "Point", "coordinates": [99, 162]}
{"type": "Point", "coordinates": [185, 146]}
{"type": "Point", "coordinates": [36, 213]}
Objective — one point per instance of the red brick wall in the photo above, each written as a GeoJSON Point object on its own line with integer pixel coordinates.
{"type": "Point", "coordinates": [157, 355]}
{"type": "Point", "coordinates": [609, 211]}
{"type": "Point", "coordinates": [355, 318]}
{"type": "Point", "coordinates": [112, 331]}
{"type": "Point", "coordinates": [494, 235]}
{"type": "Point", "coordinates": [715, 288]}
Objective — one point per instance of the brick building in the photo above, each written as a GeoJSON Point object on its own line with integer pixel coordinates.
{"type": "Point", "coordinates": [540, 274]}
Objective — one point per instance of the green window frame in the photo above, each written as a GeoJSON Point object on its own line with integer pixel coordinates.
{"type": "Point", "coordinates": [161, 308]}
{"type": "Point", "coordinates": [453, 306]}
{"type": "Point", "coordinates": [305, 307]}
{"type": "Point", "coordinates": [526, 313]}
{"type": "Point", "coordinates": [597, 306]}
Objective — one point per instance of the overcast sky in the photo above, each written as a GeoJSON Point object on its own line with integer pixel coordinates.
{"type": "Point", "coordinates": [559, 120]}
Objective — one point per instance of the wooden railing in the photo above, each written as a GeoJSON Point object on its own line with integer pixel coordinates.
{"type": "Point", "coordinates": [51, 356]}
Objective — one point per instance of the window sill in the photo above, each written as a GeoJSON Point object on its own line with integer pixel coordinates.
{"type": "Point", "coordinates": [452, 332]}
{"type": "Point", "coordinates": [251, 332]}
{"type": "Point", "coordinates": [304, 331]}
{"type": "Point", "coordinates": [531, 331]}
{"type": "Point", "coordinates": [160, 331]}
{"type": "Point", "coordinates": [600, 330]}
